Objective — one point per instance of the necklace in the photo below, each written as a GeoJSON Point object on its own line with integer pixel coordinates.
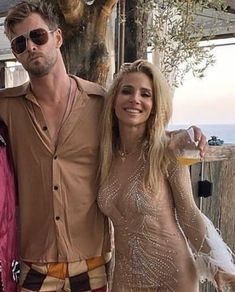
{"type": "Point", "coordinates": [66, 111]}
{"type": "Point", "coordinates": [122, 155]}
{"type": "Point", "coordinates": [139, 149]}
{"type": "Point", "coordinates": [68, 102]}
{"type": "Point", "coordinates": [55, 124]}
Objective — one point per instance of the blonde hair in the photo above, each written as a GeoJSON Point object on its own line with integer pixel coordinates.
{"type": "Point", "coordinates": [156, 136]}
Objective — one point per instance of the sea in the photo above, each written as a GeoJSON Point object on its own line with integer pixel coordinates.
{"type": "Point", "coordinates": [225, 132]}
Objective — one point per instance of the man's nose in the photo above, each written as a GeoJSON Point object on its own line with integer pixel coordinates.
{"type": "Point", "coordinates": [30, 45]}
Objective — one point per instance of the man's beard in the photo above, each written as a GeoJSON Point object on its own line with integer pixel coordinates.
{"type": "Point", "coordinates": [40, 69]}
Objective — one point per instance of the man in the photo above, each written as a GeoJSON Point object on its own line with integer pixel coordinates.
{"type": "Point", "coordinates": [53, 128]}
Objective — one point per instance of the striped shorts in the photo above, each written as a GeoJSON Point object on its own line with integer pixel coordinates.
{"type": "Point", "coordinates": [86, 275]}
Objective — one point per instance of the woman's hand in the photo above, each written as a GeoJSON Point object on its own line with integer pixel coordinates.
{"type": "Point", "coordinates": [200, 138]}
{"type": "Point", "coordinates": [190, 139]}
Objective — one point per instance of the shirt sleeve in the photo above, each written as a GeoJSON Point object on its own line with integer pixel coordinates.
{"type": "Point", "coordinates": [209, 250]}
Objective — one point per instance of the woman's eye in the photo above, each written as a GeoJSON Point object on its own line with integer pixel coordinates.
{"type": "Point", "coordinates": [125, 91]}
{"type": "Point", "coordinates": [146, 94]}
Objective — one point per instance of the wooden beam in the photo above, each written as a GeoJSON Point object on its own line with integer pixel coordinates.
{"type": "Point", "coordinates": [218, 153]}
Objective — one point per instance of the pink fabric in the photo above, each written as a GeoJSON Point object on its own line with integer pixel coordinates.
{"type": "Point", "coordinates": [7, 219]}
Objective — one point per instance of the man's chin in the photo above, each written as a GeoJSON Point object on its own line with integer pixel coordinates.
{"type": "Point", "coordinates": [37, 69]}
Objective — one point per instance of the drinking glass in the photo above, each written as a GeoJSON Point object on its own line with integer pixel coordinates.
{"type": "Point", "coordinates": [186, 148]}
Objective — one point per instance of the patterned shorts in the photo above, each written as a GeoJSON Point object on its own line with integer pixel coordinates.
{"type": "Point", "coordinates": [87, 275]}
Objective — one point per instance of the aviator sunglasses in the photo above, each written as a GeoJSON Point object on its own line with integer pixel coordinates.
{"type": "Point", "coordinates": [39, 36]}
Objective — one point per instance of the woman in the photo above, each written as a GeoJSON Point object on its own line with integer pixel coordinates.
{"type": "Point", "coordinates": [8, 266]}
{"type": "Point", "coordinates": [160, 234]}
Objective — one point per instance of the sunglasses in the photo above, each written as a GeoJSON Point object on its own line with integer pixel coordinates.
{"type": "Point", "coordinates": [39, 36]}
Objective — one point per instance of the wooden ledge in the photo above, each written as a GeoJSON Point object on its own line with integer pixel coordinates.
{"type": "Point", "coordinates": [223, 152]}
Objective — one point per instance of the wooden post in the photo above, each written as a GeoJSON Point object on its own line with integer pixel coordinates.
{"type": "Point", "coordinates": [220, 207]}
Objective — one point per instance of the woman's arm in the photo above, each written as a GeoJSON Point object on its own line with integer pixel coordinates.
{"type": "Point", "coordinates": [188, 215]}
{"type": "Point", "coordinates": [213, 257]}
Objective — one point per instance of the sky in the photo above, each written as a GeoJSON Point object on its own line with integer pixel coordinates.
{"type": "Point", "coordinates": [210, 100]}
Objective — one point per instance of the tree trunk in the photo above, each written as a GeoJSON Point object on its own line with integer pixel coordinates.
{"type": "Point", "coordinates": [84, 30]}
{"type": "Point", "coordinates": [136, 31]}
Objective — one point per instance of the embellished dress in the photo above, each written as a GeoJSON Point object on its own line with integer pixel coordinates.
{"type": "Point", "coordinates": [159, 240]}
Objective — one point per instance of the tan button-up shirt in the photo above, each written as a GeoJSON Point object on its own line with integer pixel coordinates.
{"type": "Point", "coordinates": [59, 217]}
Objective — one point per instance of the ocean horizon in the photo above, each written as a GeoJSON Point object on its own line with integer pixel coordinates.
{"type": "Point", "coordinates": [225, 132]}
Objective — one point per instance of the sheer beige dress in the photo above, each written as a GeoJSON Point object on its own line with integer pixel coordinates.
{"type": "Point", "coordinates": [153, 233]}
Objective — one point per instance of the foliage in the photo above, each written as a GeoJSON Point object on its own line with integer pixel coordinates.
{"type": "Point", "coordinates": [175, 32]}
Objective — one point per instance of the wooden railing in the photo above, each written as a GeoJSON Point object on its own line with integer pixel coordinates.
{"type": "Point", "coordinates": [218, 153]}
{"type": "Point", "coordinates": [219, 168]}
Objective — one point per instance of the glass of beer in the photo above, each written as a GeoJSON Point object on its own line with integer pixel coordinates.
{"type": "Point", "coordinates": [185, 147]}
{"type": "Point", "coordinates": [188, 156]}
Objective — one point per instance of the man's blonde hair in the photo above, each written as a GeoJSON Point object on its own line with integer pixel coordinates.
{"type": "Point", "coordinates": [24, 9]}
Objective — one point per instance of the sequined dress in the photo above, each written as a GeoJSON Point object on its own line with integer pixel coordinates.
{"type": "Point", "coordinates": [151, 249]}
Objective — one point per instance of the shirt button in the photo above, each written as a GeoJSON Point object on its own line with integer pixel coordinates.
{"type": "Point", "coordinates": [57, 218]}
{"type": "Point", "coordinates": [56, 188]}
{"type": "Point", "coordinates": [44, 128]}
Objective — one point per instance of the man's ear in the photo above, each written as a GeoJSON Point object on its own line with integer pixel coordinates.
{"type": "Point", "coordinates": [59, 38]}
